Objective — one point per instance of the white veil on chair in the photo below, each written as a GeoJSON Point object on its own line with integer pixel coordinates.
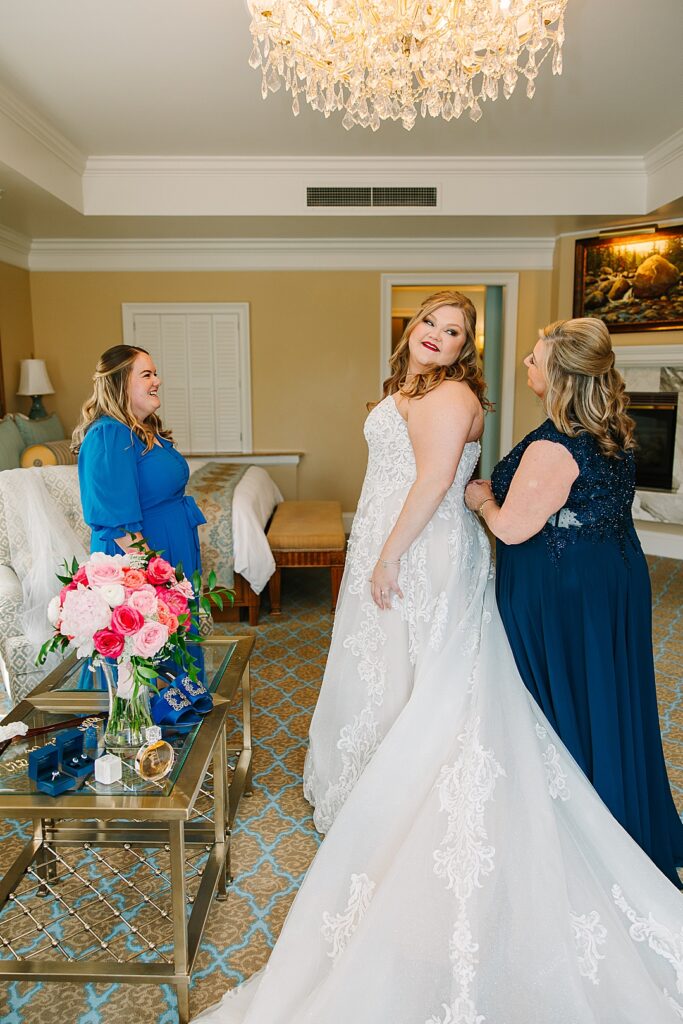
{"type": "Point", "coordinates": [40, 540]}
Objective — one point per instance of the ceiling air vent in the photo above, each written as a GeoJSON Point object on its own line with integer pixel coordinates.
{"type": "Point", "coordinates": [418, 195]}
{"type": "Point", "coordinates": [413, 196]}
{"type": "Point", "coordinates": [342, 196]}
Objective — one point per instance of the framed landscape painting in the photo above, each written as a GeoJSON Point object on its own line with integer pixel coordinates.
{"type": "Point", "coordinates": [632, 282]}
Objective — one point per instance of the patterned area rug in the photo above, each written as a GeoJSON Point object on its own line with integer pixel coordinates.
{"type": "Point", "coordinates": [275, 841]}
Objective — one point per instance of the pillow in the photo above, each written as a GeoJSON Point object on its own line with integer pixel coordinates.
{"type": "Point", "coordinates": [49, 428]}
{"type": "Point", "coordinates": [11, 444]}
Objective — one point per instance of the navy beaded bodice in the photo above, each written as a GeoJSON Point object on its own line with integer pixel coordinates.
{"type": "Point", "coordinates": [600, 500]}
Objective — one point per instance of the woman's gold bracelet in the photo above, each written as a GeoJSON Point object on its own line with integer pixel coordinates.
{"type": "Point", "coordinates": [480, 509]}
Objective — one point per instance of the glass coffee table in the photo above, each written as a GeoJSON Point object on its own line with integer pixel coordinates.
{"type": "Point", "coordinates": [117, 881]}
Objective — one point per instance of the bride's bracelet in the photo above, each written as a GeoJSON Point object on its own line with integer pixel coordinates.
{"type": "Point", "coordinates": [385, 562]}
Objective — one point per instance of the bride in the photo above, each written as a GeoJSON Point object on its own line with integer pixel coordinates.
{"type": "Point", "coordinates": [472, 875]}
{"type": "Point", "coordinates": [409, 514]}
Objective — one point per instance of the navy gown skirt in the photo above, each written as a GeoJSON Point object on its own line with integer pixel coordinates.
{"type": "Point", "coordinates": [581, 634]}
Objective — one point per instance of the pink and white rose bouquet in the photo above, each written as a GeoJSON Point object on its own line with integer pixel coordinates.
{"type": "Point", "coordinates": [136, 610]}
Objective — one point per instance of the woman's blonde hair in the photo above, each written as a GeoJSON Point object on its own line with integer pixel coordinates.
{"type": "Point", "coordinates": [465, 368]}
{"type": "Point", "coordinates": [110, 398]}
{"type": "Point", "coordinates": [584, 392]}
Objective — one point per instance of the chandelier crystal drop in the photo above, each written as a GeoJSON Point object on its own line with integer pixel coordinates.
{"type": "Point", "coordinates": [380, 59]}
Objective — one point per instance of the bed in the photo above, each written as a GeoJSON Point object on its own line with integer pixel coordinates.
{"type": "Point", "coordinates": [238, 548]}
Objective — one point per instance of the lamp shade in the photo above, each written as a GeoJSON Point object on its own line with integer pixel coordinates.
{"type": "Point", "coordinates": [33, 379]}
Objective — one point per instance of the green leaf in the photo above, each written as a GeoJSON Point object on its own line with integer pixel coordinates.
{"type": "Point", "coordinates": [212, 580]}
{"type": "Point", "coordinates": [74, 566]}
{"type": "Point", "coordinates": [179, 571]}
{"type": "Point", "coordinates": [217, 600]}
{"type": "Point", "coordinates": [63, 579]}
{"type": "Point", "coordinates": [205, 604]}
{"type": "Point", "coordinates": [146, 671]}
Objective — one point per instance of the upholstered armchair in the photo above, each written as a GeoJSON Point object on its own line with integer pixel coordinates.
{"type": "Point", "coordinates": [18, 653]}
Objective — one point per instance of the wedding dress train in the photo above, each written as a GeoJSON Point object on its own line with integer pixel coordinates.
{"type": "Point", "coordinates": [473, 875]}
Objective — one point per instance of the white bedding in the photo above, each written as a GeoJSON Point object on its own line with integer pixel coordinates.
{"type": "Point", "coordinates": [253, 502]}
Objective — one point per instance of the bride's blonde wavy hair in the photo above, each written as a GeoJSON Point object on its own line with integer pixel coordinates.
{"type": "Point", "coordinates": [110, 398]}
{"type": "Point", "coordinates": [584, 392]}
{"type": "Point", "coordinates": [465, 368]}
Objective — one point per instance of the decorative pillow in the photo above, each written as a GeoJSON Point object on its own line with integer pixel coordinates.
{"type": "Point", "coordinates": [11, 444]}
{"type": "Point", "coordinates": [39, 431]}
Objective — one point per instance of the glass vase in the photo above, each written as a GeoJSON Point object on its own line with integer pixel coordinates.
{"type": "Point", "coordinates": [128, 717]}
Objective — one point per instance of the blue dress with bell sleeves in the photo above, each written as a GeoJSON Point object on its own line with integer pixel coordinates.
{"type": "Point", "coordinates": [125, 489]}
{"type": "Point", "coordinates": [576, 604]}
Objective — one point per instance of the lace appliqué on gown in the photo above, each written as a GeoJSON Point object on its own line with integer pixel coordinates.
{"type": "Point", "coordinates": [589, 934]}
{"type": "Point", "coordinates": [337, 929]}
{"type": "Point", "coordinates": [465, 857]}
{"type": "Point", "coordinates": [555, 773]}
{"type": "Point", "coordinates": [660, 939]}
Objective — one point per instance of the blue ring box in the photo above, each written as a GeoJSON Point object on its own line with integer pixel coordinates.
{"type": "Point", "coordinates": [72, 758]}
{"type": "Point", "coordinates": [43, 768]}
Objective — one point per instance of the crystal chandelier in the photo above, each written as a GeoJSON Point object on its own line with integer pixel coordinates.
{"type": "Point", "coordinates": [379, 59]}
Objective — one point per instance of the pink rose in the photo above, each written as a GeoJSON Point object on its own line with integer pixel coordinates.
{"type": "Point", "coordinates": [101, 570]}
{"type": "Point", "coordinates": [144, 600]}
{"type": "Point", "coordinates": [176, 602]}
{"type": "Point", "coordinates": [81, 575]}
{"type": "Point", "coordinates": [126, 620]}
{"type": "Point", "coordinates": [184, 587]}
{"type": "Point", "coordinates": [160, 571]}
{"type": "Point", "coordinates": [65, 590]}
{"type": "Point", "coordinates": [167, 617]}
{"type": "Point", "coordinates": [133, 579]}
{"type": "Point", "coordinates": [150, 639]}
{"type": "Point", "coordinates": [108, 643]}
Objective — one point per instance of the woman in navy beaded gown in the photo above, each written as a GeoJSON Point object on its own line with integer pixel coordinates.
{"type": "Point", "coordinates": [574, 590]}
{"type": "Point", "coordinates": [132, 478]}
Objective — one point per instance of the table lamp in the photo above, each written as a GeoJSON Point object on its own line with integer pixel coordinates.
{"type": "Point", "coordinates": [35, 382]}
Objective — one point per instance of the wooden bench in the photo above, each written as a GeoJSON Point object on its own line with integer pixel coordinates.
{"type": "Point", "coordinates": [307, 535]}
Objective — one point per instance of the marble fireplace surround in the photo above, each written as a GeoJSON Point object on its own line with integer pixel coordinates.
{"type": "Point", "coordinates": [658, 514]}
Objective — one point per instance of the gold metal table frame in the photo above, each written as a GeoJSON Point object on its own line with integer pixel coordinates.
{"type": "Point", "coordinates": [93, 821]}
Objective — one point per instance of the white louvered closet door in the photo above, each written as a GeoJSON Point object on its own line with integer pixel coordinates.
{"type": "Point", "coordinates": [202, 359]}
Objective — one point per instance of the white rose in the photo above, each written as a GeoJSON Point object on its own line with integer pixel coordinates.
{"type": "Point", "coordinates": [84, 646]}
{"type": "Point", "coordinates": [54, 610]}
{"type": "Point", "coordinates": [113, 593]}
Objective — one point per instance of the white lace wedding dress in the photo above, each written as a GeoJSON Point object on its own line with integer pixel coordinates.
{"type": "Point", "coordinates": [473, 875]}
{"type": "Point", "coordinates": [374, 655]}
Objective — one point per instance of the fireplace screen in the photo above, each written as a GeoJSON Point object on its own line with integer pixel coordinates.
{"type": "Point", "coordinates": [655, 416]}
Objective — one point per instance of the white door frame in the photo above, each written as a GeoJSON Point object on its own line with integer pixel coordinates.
{"type": "Point", "coordinates": [510, 283]}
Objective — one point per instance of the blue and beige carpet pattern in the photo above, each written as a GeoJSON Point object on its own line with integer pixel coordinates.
{"type": "Point", "coordinates": [274, 841]}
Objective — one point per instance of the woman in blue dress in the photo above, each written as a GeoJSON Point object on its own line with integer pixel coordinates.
{"type": "Point", "coordinates": [132, 478]}
{"type": "Point", "coordinates": [572, 582]}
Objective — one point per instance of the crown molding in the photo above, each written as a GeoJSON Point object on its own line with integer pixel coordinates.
{"type": "Point", "coordinates": [382, 254]}
{"type": "Point", "coordinates": [41, 130]}
{"type": "Point", "coordinates": [15, 248]}
{"type": "Point", "coordinates": [367, 167]}
{"type": "Point", "coordinates": [664, 153]}
{"type": "Point", "coordinates": [664, 169]}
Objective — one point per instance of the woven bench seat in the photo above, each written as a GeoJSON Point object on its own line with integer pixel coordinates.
{"type": "Point", "coordinates": [307, 535]}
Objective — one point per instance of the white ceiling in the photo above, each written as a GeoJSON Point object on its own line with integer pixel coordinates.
{"type": "Point", "coordinates": [86, 79]}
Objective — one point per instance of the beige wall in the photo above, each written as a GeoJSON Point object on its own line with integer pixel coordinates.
{"type": "Point", "coordinates": [314, 354]}
{"type": "Point", "coordinates": [16, 331]}
{"type": "Point", "coordinates": [314, 351]}
{"type": "Point", "coordinates": [534, 311]}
